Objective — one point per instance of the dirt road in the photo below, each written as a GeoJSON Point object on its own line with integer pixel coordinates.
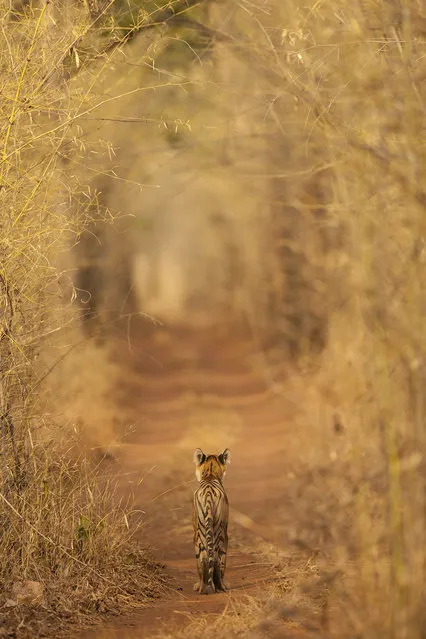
{"type": "Point", "coordinates": [180, 391]}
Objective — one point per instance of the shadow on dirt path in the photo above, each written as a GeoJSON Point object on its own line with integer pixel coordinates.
{"type": "Point", "coordinates": [179, 391]}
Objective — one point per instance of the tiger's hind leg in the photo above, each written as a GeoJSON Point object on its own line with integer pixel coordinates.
{"type": "Point", "coordinates": [219, 573]}
{"type": "Point", "coordinates": [197, 585]}
{"type": "Point", "coordinates": [220, 564]}
{"type": "Point", "coordinates": [222, 572]}
{"type": "Point", "coordinates": [218, 579]}
{"type": "Point", "coordinates": [202, 585]}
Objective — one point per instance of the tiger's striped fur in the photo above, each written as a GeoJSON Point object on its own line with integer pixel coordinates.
{"type": "Point", "coordinates": [210, 519]}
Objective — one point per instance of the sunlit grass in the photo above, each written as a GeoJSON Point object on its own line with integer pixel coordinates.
{"type": "Point", "coordinates": [62, 522]}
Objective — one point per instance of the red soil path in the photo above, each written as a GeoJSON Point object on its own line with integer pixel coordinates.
{"type": "Point", "coordinates": [179, 391]}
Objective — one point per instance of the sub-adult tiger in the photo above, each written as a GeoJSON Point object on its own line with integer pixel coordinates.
{"type": "Point", "coordinates": [210, 518]}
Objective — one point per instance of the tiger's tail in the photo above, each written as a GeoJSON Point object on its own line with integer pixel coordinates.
{"type": "Point", "coordinates": [209, 587]}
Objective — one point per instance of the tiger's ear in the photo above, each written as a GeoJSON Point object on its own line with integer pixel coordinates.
{"type": "Point", "coordinates": [199, 456]}
{"type": "Point", "coordinates": [225, 457]}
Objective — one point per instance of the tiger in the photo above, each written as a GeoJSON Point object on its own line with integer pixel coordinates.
{"type": "Point", "coordinates": [210, 520]}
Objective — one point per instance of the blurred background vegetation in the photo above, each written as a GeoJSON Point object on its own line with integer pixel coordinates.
{"type": "Point", "coordinates": [218, 164]}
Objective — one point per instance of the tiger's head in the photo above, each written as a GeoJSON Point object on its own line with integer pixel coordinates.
{"type": "Point", "coordinates": [211, 466]}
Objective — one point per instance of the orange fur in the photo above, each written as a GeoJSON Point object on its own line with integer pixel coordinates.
{"type": "Point", "coordinates": [210, 520]}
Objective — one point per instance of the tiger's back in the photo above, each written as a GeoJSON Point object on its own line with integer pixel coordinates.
{"type": "Point", "coordinates": [210, 519]}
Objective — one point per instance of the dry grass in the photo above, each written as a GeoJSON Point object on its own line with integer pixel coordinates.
{"type": "Point", "coordinates": [348, 106]}
{"type": "Point", "coordinates": [343, 96]}
{"type": "Point", "coordinates": [69, 531]}
{"type": "Point", "coordinates": [336, 95]}
{"type": "Point", "coordinates": [58, 524]}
